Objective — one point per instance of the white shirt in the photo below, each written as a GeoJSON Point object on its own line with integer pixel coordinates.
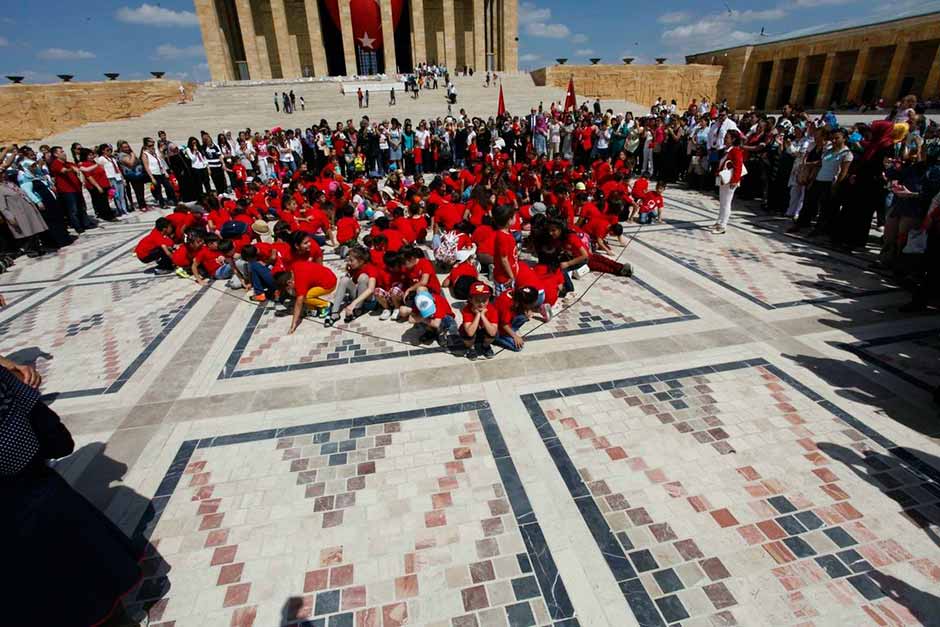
{"type": "Point", "coordinates": [154, 163]}
{"type": "Point", "coordinates": [421, 138]}
{"type": "Point", "coordinates": [110, 167]}
{"type": "Point", "coordinates": [197, 159]}
{"type": "Point", "coordinates": [717, 132]}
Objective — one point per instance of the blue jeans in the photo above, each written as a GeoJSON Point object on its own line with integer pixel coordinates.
{"type": "Point", "coordinates": [75, 210]}
{"type": "Point", "coordinates": [119, 200]}
{"type": "Point", "coordinates": [225, 271]}
{"type": "Point", "coordinates": [262, 281]}
{"type": "Point", "coordinates": [506, 341]}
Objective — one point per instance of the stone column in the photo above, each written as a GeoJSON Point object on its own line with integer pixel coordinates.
{"type": "Point", "coordinates": [799, 81]}
{"type": "Point", "coordinates": [893, 80]}
{"type": "Point", "coordinates": [825, 82]}
{"type": "Point", "coordinates": [312, 9]}
{"type": "Point", "coordinates": [773, 89]}
{"type": "Point", "coordinates": [219, 63]}
{"type": "Point", "coordinates": [388, 37]}
{"type": "Point", "coordinates": [290, 63]}
{"type": "Point", "coordinates": [859, 74]}
{"type": "Point", "coordinates": [479, 41]}
{"type": "Point", "coordinates": [263, 58]}
{"type": "Point", "coordinates": [450, 37]}
{"type": "Point", "coordinates": [510, 32]}
{"type": "Point", "coordinates": [418, 44]}
{"type": "Point", "coordinates": [932, 85]}
{"type": "Point", "coordinates": [349, 46]}
{"type": "Point", "coordinates": [495, 40]}
{"type": "Point", "coordinates": [256, 70]}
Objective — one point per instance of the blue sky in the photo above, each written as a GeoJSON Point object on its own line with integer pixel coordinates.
{"type": "Point", "coordinates": [40, 40]}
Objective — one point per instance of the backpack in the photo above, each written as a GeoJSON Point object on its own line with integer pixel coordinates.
{"type": "Point", "coordinates": [446, 253]}
{"type": "Point", "coordinates": [233, 229]}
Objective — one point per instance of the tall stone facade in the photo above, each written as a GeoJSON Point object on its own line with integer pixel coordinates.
{"type": "Point", "coordinates": [849, 66]}
{"type": "Point", "coordinates": [264, 39]}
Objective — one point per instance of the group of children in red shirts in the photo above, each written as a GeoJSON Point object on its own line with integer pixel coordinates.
{"type": "Point", "coordinates": [270, 239]}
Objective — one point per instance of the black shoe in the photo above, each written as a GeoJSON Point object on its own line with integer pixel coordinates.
{"type": "Point", "coordinates": [626, 270]}
{"type": "Point", "coordinates": [487, 352]}
{"type": "Point", "coordinates": [471, 354]}
{"type": "Point", "coordinates": [428, 336]}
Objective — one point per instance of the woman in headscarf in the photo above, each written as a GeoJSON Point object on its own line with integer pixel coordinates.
{"type": "Point", "coordinates": [22, 216]}
{"type": "Point", "coordinates": [51, 538]}
{"type": "Point", "coordinates": [866, 191]}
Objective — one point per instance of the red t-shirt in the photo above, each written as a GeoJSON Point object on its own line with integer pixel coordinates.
{"type": "Point", "coordinates": [483, 237]}
{"type": "Point", "coordinates": [653, 201]}
{"type": "Point", "coordinates": [462, 269]}
{"type": "Point", "coordinates": [318, 221]}
{"type": "Point", "coordinates": [424, 266]}
{"type": "Point", "coordinates": [597, 227]}
{"type": "Point", "coordinates": [504, 245]}
{"type": "Point", "coordinates": [441, 307]}
{"type": "Point", "coordinates": [640, 187]}
{"type": "Point", "coordinates": [66, 180]}
{"type": "Point", "coordinates": [403, 226]}
{"type": "Point", "coordinates": [491, 314]}
{"type": "Point", "coordinates": [150, 242]}
{"type": "Point", "coordinates": [182, 257]}
{"type": "Point", "coordinates": [369, 270]}
{"type": "Point", "coordinates": [181, 221]}
{"type": "Point", "coordinates": [308, 274]}
{"type": "Point", "coordinates": [346, 229]}
{"type": "Point", "coordinates": [208, 259]}
{"type": "Point", "coordinates": [503, 306]}
{"type": "Point", "coordinates": [97, 175]}
{"type": "Point", "coordinates": [449, 215]}
{"type": "Point", "coordinates": [395, 239]}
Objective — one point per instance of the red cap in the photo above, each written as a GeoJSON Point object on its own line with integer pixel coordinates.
{"type": "Point", "coordinates": [480, 289]}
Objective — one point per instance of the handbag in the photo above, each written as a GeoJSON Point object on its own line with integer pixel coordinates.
{"type": "Point", "coordinates": [135, 174]}
{"type": "Point", "coordinates": [916, 242]}
{"type": "Point", "coordinates": [807, 174]}
{"type": "Point", "coordinates": [724, 176]}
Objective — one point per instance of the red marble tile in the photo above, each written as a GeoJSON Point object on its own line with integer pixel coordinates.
{"type": "Point", "coordinates": [230, 573]}
{"type": "Point", "coordinates": [616, 452]}
{"type": "Point", "coordinates": [771, 529]}
{"type": "Point", "coordinates": [482, 571]}
{"type": "Point", "coordinates": [314, 490]}
{"type": "Point", "coordinates": [794, 419]}
{"type": "Point", "coordinates": [788, 578]}
{"type": "Point", "coordinates": [748, 473]}
{"type": "Point", "coordinates": [834, 491]}
{"type": "Point", "coordinates": [675, 489]}
{"type": "Point", "coordinates": [817, 458]}
{"type": "Point", "coordinates": [299, 464]}
{"type": "Point", "coordinates": [224, 555]}
{"type": "Point", "coordinates": [209, 506]}
{"type": "Point", "coordinates": [492, 526]}
{"type": "Point", "coordinates": [441, 500]}
{"type": "Point", "coordinates": [800, 606]}
{"type": "Point", "coordinates": [688, 549]}
{"type": "Point", "coordinates": [194, 467]}
{"type": "Point", "coordinates": [467, 438]}
{"type": "Point", "coordinates": [714, 568]}
{"type": "Point", "coordinates": [395, 615]}
{"type": "Point", "coordinates": [584, 433]}
{"type": "Point", "coordinates": [877, 557]}
{"type": "Point", "coordinates": [487, 547]}
{"type": "Point", "coordinates": [447, 483]}
{"type": "Point", "coordinates": [498, 507]}
{"type": "Point", "coordinates": [894, 550]}
{"type": "Point", "coordinates": [331, 555]}
{"type": "Point", "coordinates": [365, 468]}
{"type": "Point", "coordinates": [425, 543]}
{"type": "Point", "coordinates": [355, 483]}
{"type": "Point", "coordinates": [774, 486]}
{"type": "Point", "coordinates": [454, 468]}
{"type": "Point", "coordinates": [463, 452]}
{"type": "Point", "coordinates": [217, 537]}
{"type": "Point", "coordinates": [316, 580]}
{"type": "Point", "coordinates": [723, 619]}
{"type": "Point", "coordinates": [699, 503]}
{"type": "Point", "coordinates": [719, 595]}
{"type": "Point", "coordinates": [341, 576]}
{"type": "Point", "coordinates": [291, 453]}
{"type": "Point", "coordinates": [829, 515]}
{"type": "Point", "coordinates": [860, 532]}
{"type": "Point", "coordinates": [200, 479]}
{"type": "Point", "coordinates": [368, 618]}
{"type": "Point", "coordinates": [474, 598]}
{"type": "Point", "coordinates": [406, 587]}
{"type": "Point", "coordinates": [927, 568]}
{"type": "Point", "coordinates": [757, 490]}
{"type": "Point", "coordinates": [435, 518]}
{"type": "Point", "coordinates": [762, 509]}
{"type": "Point", "coordinates": [657, 475]}
{"type": "Point", "coordinates": [779, 552]}
{"type": "Point", "coordinates": [323, 503]}
{"type": "Point", "coordinates": [383, 440]}
{"type": "Point", "coordinates": [244, 616]}
{"type": "Point", "coordinates": [569, 423]}
{"type": "Point", "coordinates": [662, 532]}
{"type": "Point", "coordinates": [846, 509]}
{"type": "Point", "coordinates": [636, 463]}
{"type": "Point", "coordinates": [346, 499]}
{"type": "Point", "coordinates": [237, 594]}
{"type": "Point", "coordinates": [878, 620]}
{"type": "Point", "coordinates": [724, 517]}
{"type": "Point", "coordinates": [333, 519]}
{"type": "Point", "coordinates": [212, 521]}
{"type": "Point", "coordinates": [284, 443]}
{"type": "Point", "coordinates": [751, 534]}
{"type": "Point", "coordinates": [354, 597]}
{"type": "Point", "coordinates": [639, 516]}
{"type": "Point", "coordinates": [392, 427]}
{"type": "Point", "coordinates": [600, 443]}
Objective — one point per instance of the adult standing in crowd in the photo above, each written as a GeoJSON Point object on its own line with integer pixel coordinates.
{"type": "Point", "coordinates": [133, 170]}
{"type": "Point", "coordinates": [68, 187]}
{"type": "Point", "coordinates": [97, 184]}
{"type": "Point", "coordinates": [157, 170]}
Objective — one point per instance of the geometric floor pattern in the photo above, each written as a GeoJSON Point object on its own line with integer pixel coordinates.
{"type": "Point", "coordinates": [91, 338]}
{"type": "Point", "coordinates": [769, 270]}
{"type": "Point", "coordinates": [397, 519]}
{"type": "Point", "coordinates": [914, 357]}
{"type": "Point", "coordinates": [734, 495]}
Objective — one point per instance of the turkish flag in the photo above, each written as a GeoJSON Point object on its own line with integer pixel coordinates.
{"type": "Point", "coordinates": [501, 107]}
{"type": "Point", "coordinates": [570, 103]}
{"type": "Point", "coordinates": [366, 20]}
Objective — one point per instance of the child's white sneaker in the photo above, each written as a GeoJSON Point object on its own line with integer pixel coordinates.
{"type": "Point", "coordinates": [385, 315]}
{"type": "Point", "coordinates": [581, 271]}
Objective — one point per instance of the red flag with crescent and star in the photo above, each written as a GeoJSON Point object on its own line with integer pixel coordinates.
{"type": "Point", "coordinates": [366, 17]}
{"type": "Point", "coordinates": [570, 103]}
{"type": "Point", "coordinates": [501, 106]}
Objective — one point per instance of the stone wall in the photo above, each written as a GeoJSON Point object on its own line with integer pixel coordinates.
{"type": "Point", "coordinates": [31, 112]}
{"type": "Point", "coordinates": [641, 84]}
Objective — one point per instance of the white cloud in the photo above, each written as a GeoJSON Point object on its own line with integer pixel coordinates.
{"type": "Point", "coordinates": [583, 52]}
{"type": "Point", "coordinates": [719, 30]}
{"type": "Point", "coordinates": [674, 17]}
{"type": "Point", "coordinates": [816, 3]}
{"type": "Point", "coordinates": [579, 38]}
{"type": "Point", "coordinates": [171, 51]}
{"type": "Point", "coordinates": [61, 54]}
{"type": "Point", "coordinates": [535, 21]}
{"type": "Point", "coordinates": [751, 16]}
{"type": "Point", "coordinates": [529, 57]}
{"type": "Point", "coordinates": [150, 15]}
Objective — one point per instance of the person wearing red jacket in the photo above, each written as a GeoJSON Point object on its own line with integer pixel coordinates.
{"type": "Point", "coordinates": [732, 162]}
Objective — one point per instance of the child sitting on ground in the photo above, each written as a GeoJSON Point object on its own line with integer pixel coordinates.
{"type": "Point", "coordinates": [307, 282]}
{"type": "Point", "coordinates": [356, 288]}
{"type": "Point", "coordinates": [391, 292]}
{"type": "Point", "coordinates": [651, 208]}
{"type": "Point", "coordinates": [158, 246]}
{"type": "Point", "coordinates": [514, 308]}
{"type": "Point", "coordinates": [480, 322]}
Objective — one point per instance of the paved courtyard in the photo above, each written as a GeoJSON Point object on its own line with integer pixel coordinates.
{"type": "Point", "coordinates": [741, 434]}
